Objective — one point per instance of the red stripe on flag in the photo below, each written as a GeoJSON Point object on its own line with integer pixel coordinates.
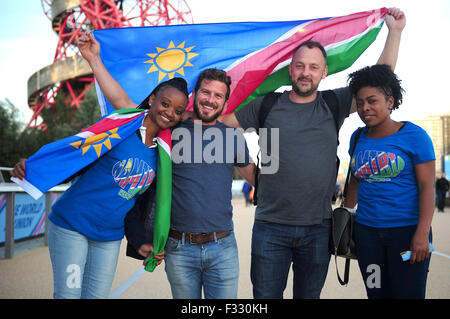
{"type": "Point", "coordinates": [110, 123]}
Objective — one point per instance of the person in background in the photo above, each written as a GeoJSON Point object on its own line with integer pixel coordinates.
{"type": "Point", "coordinates": [442, 187]}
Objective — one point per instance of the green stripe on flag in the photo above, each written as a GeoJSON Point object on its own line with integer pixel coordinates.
{"type": "Point", "coordinates": [338, 58]}
{"type": "Point", "coordinates": [163, 206]}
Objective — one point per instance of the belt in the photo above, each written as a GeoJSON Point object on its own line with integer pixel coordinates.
{"type": "Point", "coordinates": [198, 238]}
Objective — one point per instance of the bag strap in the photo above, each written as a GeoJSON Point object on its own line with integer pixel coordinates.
{"type": "Point", "coordinates": [347, 260]}
{"type": "Point", "coordinates": [358, 134]}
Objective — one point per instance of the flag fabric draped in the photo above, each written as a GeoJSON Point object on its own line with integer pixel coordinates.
{"type": "Point", "coordinates": [55, 162]}
{"type": "Point", "coordinates": [254, 54]}
{"type": "Point", "coordinates": [163, 197]}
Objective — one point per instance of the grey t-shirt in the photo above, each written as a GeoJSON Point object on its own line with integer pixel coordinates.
{"type": "Point", "coordinates": [300, 192]}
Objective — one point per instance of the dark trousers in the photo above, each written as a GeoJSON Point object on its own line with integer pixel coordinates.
{"type": "Point", "coordinates": [440, 200]}
{"type": "Point", "coordinates": [384, 272]}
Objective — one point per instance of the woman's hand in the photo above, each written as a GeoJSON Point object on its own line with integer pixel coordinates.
{"type": "Point", "coordinates": [146, 249]}
{"type": "Point", "coordinates": [19, 169]}
{"type": "Point", "coordinates": [89, 47]}
{"type": "Point", "coordinates": [420, 247]}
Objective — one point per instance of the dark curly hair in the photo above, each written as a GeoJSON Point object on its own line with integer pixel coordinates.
{"type": "Point", "coordinates": [380, 76]}
{"type": "Point", "coordinates": [177, 83]}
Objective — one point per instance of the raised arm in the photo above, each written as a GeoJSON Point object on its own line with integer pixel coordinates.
{"type": "Point", "coordinates": [395, 21]}
{"type": "Point", "coordinates": [114, 93]}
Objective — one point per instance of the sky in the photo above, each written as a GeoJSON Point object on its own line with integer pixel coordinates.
{"type": "Point", "coordinates": [28, 44]}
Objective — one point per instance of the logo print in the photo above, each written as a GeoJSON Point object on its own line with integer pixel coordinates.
{"type": "Point", "coordinates": [170, 60]}
{"type": "Point", "coordinates": [377, 166]}
{"type": "Point", "coordinates": [133, 176]}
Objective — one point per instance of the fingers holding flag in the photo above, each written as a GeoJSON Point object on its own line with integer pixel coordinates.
{"type": "Point", "coordinates": [19, 169]}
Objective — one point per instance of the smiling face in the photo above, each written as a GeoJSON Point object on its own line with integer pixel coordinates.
{"type": "Point", "coordinates": [307, 69]}
{"type": "Point", "coordinates": [210, 100]}
{"type": "Point", "coordinates": [167, 106]}
{"type": "Point", "coordinates": [373, 107]}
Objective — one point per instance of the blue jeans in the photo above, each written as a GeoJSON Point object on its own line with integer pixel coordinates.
{"type": "Point", "coordinates": [82, 268]}
{"type": "Point", "coordinates": [384, 272]}
{"type": "Point", "coordinates": [213, 266]}
{"type": "Point", "coordinates": [275, 247]}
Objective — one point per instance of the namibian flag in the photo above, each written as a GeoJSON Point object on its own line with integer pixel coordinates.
{"type": "Point", "coordinates": [58, 161]}
{"type": "Point", "coordinates": [254, 54]}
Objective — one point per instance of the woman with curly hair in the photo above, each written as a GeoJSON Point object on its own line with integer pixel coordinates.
{"type": "Point", "coordinates": [393, 169]}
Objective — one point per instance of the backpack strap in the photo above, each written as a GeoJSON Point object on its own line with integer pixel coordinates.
{"type": "Point", "coordinates": [266, 105]}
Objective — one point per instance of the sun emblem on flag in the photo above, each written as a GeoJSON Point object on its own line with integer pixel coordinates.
{"type": "Point", "coordinates": [171, 60]}
{"type": "Point", "coordinates": [97, 141]}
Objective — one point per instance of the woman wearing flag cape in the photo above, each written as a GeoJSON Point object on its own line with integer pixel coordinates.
{"type": "Point", "coordinates": [86, 224]}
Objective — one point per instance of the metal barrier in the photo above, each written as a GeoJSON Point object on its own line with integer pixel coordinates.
{"type": "Point", "coordinates": [10, 190]}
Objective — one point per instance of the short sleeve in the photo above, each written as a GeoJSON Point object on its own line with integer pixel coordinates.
{"type": "Point", "coordinates": [248, 116]}
{"type": "Point", "coordinates": [422, 149]}
{"type": "Point", "coordinates": [344, 97]}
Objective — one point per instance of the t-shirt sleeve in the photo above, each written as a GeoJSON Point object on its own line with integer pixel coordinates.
{"type": "Point", "coordinates": [422, 149]}
{"type": "Point", "coordinates": [344, 97]}
{"type": "Point", "coordinates": [248, 116]}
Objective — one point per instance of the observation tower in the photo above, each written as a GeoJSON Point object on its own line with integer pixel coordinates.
{"type": "Point", "coordinates": [70, 19]}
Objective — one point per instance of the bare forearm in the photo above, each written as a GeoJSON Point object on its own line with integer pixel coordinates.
{"type": "Point", "coordinates": [389, 54]}
{"type": "Point", "coordinates": [112, 90]}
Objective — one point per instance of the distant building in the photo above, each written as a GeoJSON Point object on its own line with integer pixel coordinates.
{"type": "Point", "coordinates": [438, 127]}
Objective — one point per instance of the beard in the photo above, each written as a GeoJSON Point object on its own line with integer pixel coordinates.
{"type": "Point", "coordinates": [207, 118]}
{"type": "Point", "coordinates": [304, 92]}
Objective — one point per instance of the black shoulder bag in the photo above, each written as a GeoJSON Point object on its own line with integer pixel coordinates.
{"type": "Point", "coordinates": [342, 220]}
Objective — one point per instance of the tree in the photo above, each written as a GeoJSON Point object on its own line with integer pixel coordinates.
{"type": "Point", "coordinates": [62, 121]}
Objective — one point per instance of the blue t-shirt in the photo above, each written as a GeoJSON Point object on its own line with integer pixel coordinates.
{"type": "Point", "coordinates": [96, 204]}
{"type": "Point", "coordinates": [203, 163]}
{"type": "Point", "coordinates": [388, 194]}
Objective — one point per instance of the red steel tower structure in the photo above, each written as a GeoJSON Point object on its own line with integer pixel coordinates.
{"type": "Point", "coordinates": [70, 19]}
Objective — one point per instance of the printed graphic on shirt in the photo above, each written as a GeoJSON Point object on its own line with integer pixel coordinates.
{"type": "Point", "coordinates": [133, 176]}
{"type": "Point", "coordinates": [377, 166]}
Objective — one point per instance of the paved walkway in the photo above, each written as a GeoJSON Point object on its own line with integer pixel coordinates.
{"type": "Point", "coordinates": [28, 275]}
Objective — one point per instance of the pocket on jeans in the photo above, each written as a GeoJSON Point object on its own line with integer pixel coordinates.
{"type": "Point", "coordinates": [227, 241]}
{"type": "Point", "coordinates": [172, 244]}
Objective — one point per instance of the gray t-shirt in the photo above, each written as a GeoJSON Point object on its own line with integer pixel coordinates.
{"type": "Point", "coordinates": [300, 192]}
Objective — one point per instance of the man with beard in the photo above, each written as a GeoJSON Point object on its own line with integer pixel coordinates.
{"type": "Point", "coordinates": [201, 251]}
{"type": "Point", "coordinates": [292, 219]}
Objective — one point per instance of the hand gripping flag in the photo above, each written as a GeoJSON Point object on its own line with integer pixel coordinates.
{"type": "Point", "coordinates": [55, 162]}
{"type": "Point", "coordinates": [255, 55]}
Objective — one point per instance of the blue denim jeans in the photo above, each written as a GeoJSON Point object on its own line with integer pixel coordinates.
{"type": "Point", "coordinates": [82, 268]}
{"type": "Point", "coordinates": [384, 272]}
{"type": "Point", "coordinates": [213, 266]}
{"type": "Point", "coordinates": [275, 247]}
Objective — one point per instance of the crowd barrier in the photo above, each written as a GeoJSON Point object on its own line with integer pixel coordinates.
{"type": "Point", "coordinates": [21, 216]}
